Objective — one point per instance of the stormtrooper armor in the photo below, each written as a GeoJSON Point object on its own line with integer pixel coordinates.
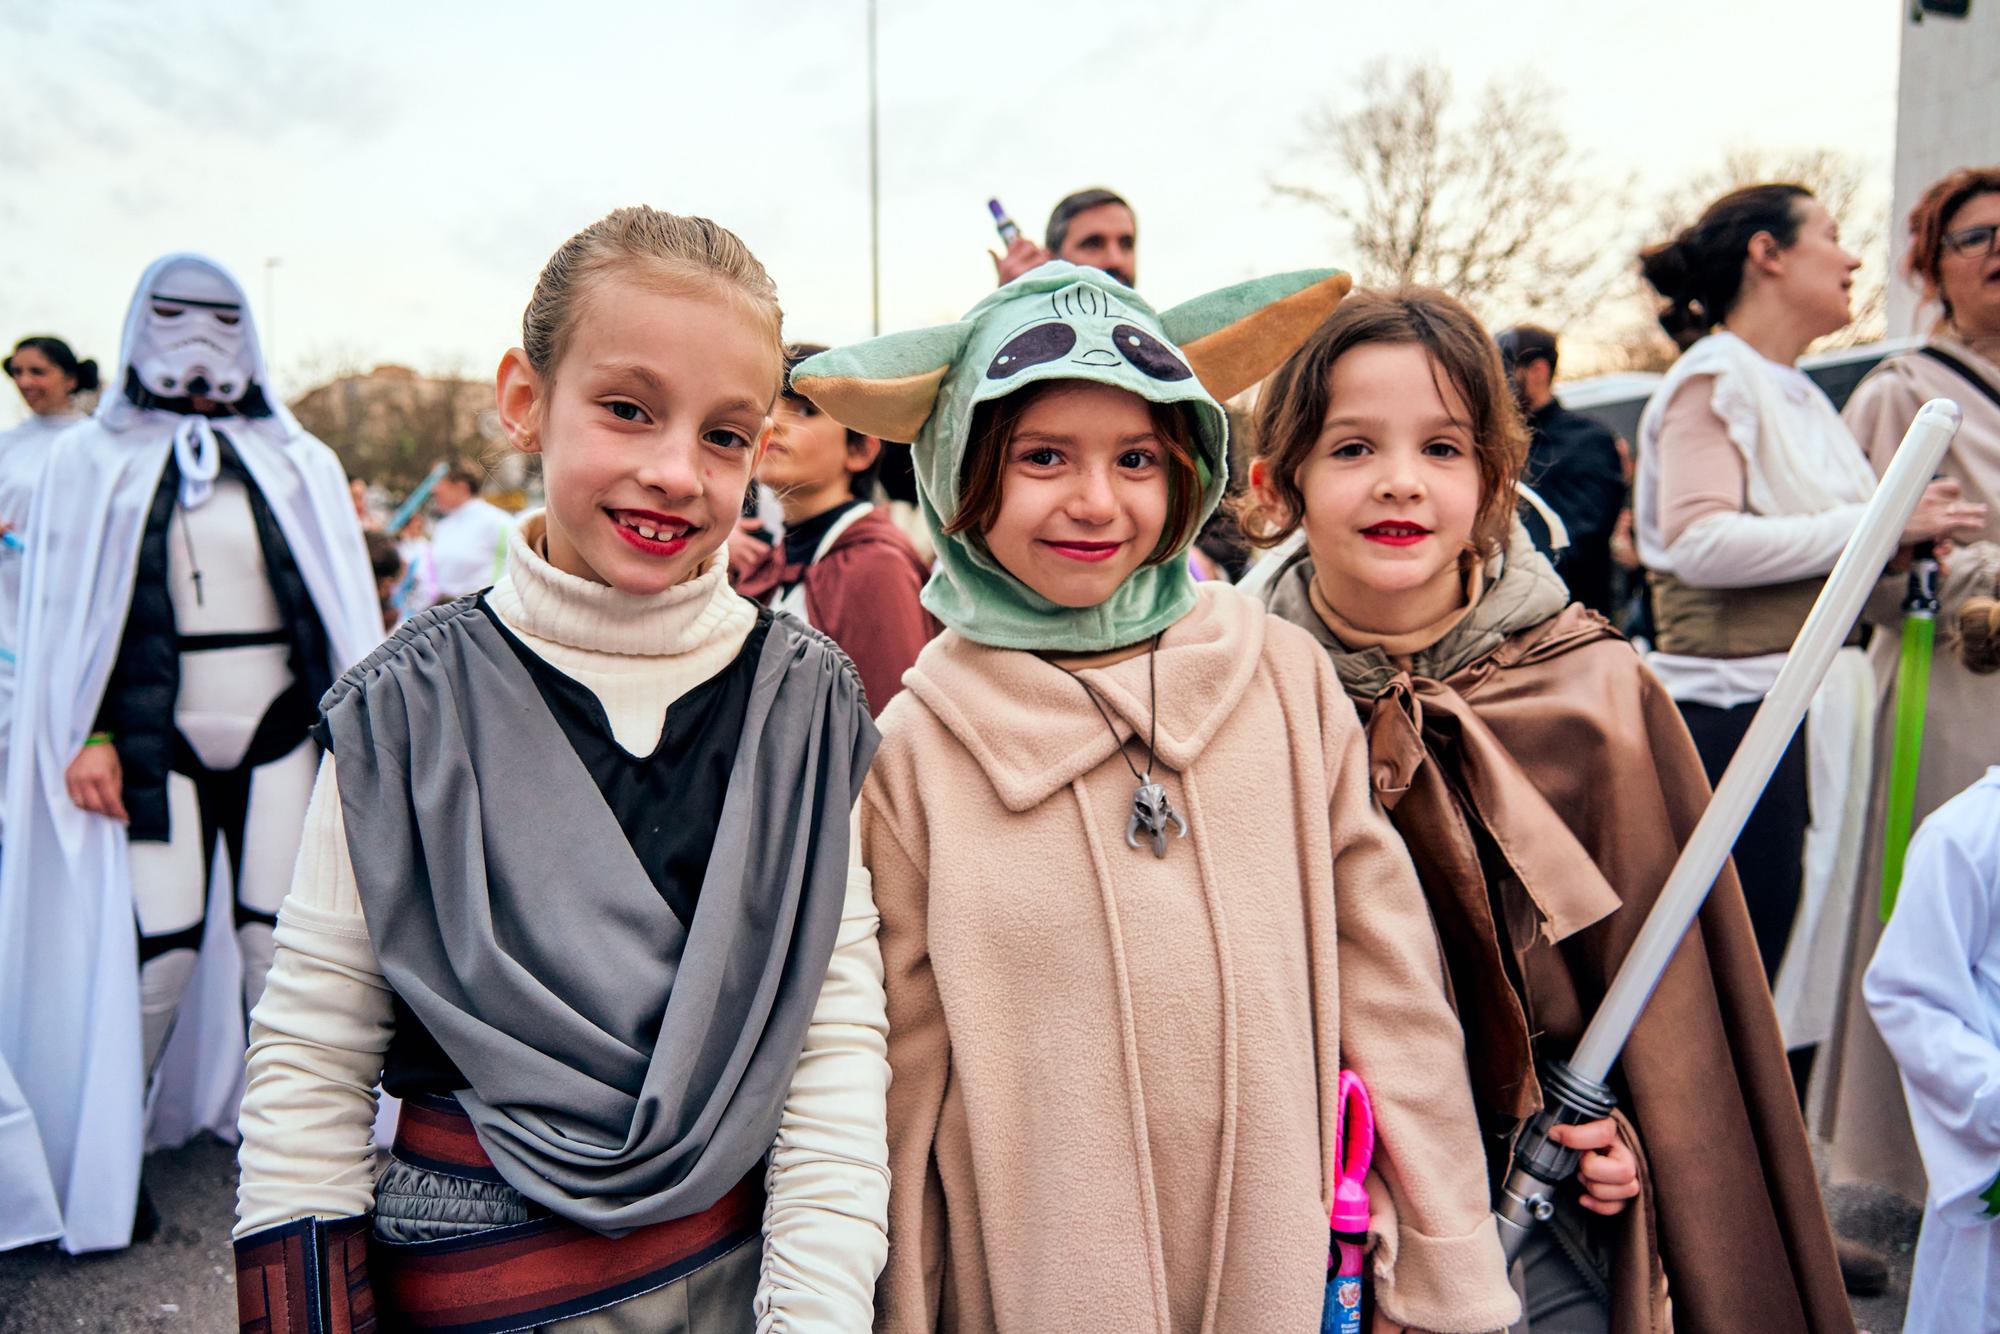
{"type": "Point", "coordinates": [239, 757]}
{"type": "Point", "coordinates": [194, 580]}
{"type": "Point", "coordinates": [241, 762]}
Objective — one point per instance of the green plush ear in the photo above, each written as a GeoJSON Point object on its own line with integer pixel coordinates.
{"type": "Point", "coordinates": [1236, 336]}
{"type": "Point", "coordinates": [885, 386]}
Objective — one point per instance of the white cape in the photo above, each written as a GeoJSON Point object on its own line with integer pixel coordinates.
{"type": "Point", "coordinates": [1934, 992]}
{"type": "Point", "coordinates": [69, 999]}
{"type": "Point", "coordinates": [24, 453]}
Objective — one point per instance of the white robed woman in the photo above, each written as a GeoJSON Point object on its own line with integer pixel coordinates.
{"type": "Point", "coordinates": [195, 580]}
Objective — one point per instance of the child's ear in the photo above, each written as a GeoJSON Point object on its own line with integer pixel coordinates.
{"type": "Point", "coordinates": [1236, 336]}
{"type": "Point", "coordinates": [518, 396]}
{"type": "Point", "coordinates": [1265, 494]}
{"type": "Point", "coordinates": [862, 451]}
{"type": "Point", "coordinates": [886, 386]}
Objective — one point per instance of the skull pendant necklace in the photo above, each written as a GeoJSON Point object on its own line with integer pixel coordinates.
{"type": "Point", "coordinates": [1152, 812]}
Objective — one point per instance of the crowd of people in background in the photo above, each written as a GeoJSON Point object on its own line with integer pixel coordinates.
{"type": "Point", "coordinates": [1065, 791]}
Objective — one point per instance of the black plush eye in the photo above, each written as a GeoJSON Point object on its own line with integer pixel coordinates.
{"type": "Point", "coordinates": [1153, 358]}
{"type": "Point", "coordinates": [1044, 342]}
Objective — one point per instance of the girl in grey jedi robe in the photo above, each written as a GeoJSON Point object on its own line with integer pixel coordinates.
{"type": "Point", "coordinates": [576, 885]}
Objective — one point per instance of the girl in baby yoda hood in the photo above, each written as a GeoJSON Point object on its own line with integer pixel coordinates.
{"type": "Point", "coordinates": [1138, 908]}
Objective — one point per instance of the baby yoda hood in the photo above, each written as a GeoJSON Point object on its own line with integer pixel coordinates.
{"type": "Point", "coordinates": [1062, 322]}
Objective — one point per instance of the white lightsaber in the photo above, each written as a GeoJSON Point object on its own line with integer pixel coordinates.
{"type": "Point", "coordinates": [1576, 1087]}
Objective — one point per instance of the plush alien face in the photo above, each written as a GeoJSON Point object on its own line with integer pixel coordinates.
{"type": "Point", "coordinates": [192, 341]}
{"type": "Point", "coordinates": [1090, 328]}
{"type": "Point", "coordinates": [1062, 322]}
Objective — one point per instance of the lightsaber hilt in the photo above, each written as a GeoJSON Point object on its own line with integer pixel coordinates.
{"type": "Point", "coordinates": [1920, 596]}
{"type": "Point", "coordinates": [1540, 1166]}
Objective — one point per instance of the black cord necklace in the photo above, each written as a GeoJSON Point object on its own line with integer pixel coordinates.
{"type": "Point", "coordinates": [194, 562]}
{"type": "Point", "coordinates": [1151, 811]}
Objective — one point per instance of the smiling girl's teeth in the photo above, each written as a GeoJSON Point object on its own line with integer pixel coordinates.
{"type": "Point", "coordinates": [652, 532]}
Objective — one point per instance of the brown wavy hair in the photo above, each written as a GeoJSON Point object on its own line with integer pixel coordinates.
{"type": "Point", "coordinates": [1295, 403]}
{"type": "Point", "coordinates": [1932, 214]}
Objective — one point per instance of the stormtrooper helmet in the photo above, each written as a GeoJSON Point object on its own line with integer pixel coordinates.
{"type": "Point", "coordinates": [192, 340]}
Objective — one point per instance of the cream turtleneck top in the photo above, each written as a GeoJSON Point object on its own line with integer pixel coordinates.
{"type": "Point", "coordinates": [318, 1037]}
{"type": "Point", "coordinates": [636, 654]}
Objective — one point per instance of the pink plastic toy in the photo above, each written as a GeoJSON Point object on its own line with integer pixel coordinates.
{"type": "Point", "coordinates": [1346, 1261]}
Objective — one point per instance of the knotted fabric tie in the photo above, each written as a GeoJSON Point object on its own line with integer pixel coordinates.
{"type": "Point", "coordinates": [1416, 719]}
{"type": "Point", "coordinates": [199, 456]}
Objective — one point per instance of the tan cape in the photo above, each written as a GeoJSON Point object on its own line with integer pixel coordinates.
{"type": "Point", "coordinates": [1865, 1116]}
{"type": "Point", "coordinates": [1532, 740]}
{"type": "Point", "coordinates": [1113, 1074]}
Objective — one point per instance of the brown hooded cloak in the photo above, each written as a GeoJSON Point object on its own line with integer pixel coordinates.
{"type": "Point", "coordinates": [1545, 784]}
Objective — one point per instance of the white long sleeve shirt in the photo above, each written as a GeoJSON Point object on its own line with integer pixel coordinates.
{"type": "Point", "coordinates": [468, 548]}
{"type": "Point", "coordinates": [318, 1038]}
{"type": "Point", "coordinates": [1934, 991]}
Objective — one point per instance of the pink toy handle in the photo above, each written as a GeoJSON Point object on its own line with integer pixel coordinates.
{"type": "Point", "coordinates": [1357, 1128]}
{"type": "Point", "coordinates": [1353, 1150]}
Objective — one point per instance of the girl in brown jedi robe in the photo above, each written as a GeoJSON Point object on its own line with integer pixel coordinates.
{"type": "Point", "coordinates": [1545, 784]}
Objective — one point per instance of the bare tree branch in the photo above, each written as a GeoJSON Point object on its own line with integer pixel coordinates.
{"type": "Point", "coordinates": [1485, 203]}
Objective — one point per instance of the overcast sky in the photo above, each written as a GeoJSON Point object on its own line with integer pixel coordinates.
{"type": "Point", "coordinates": [410, 166]}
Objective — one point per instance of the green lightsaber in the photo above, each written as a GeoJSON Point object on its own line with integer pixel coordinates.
{"type": "Point", "coordinates": [1913, 683]}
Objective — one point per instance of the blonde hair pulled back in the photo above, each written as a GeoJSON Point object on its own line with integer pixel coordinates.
{"type": "Point", "coordinates": [668, 251]}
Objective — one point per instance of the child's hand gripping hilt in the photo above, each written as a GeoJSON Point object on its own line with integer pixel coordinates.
{"type": "Point", "coordinates": [1540, 1164]}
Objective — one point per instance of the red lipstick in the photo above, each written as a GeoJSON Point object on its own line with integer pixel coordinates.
{"type": "Point", "coordinates": [1396, 533]}
{"type": "Point", "coordinates": [651, 532]}
{"type": "Point", "coordinates": [1092, 552]}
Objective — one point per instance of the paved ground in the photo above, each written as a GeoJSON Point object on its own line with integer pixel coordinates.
{"type": "Point", "coordinates": [184, 1278]}
{"type": "Point", "coordinates": [1889, 1224]}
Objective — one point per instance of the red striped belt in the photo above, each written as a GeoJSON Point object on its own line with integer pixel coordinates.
{"type": "Point", "coordinates": [541, 1271]}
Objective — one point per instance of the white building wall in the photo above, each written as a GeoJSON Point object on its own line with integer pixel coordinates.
{"type": "Point", "coordinates": [1947, 116]}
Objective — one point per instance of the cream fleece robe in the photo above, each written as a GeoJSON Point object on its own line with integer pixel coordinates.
{"type": "Point", "coordinates": [318, 1037]}
{"type": "Point", "coordinates": [1114, 1074]}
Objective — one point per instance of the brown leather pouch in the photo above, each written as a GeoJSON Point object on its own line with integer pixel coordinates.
{"type": "Point", "coordinates": [306, 1277]}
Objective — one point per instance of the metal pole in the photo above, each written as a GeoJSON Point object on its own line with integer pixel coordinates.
{"type": "Point", "coordinates": [269, 323]}
{"type": "Point", "coordinates": [1576, 1087]}
{"type": "Point", "coordinates": [874, 185]}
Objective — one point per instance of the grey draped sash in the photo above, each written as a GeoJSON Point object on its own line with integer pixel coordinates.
{"type": "Point", "coordinates": [623, 1070]}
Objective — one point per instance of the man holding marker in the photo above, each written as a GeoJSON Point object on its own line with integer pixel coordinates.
{"type": "Point", "coordinates": [1093, 227]}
